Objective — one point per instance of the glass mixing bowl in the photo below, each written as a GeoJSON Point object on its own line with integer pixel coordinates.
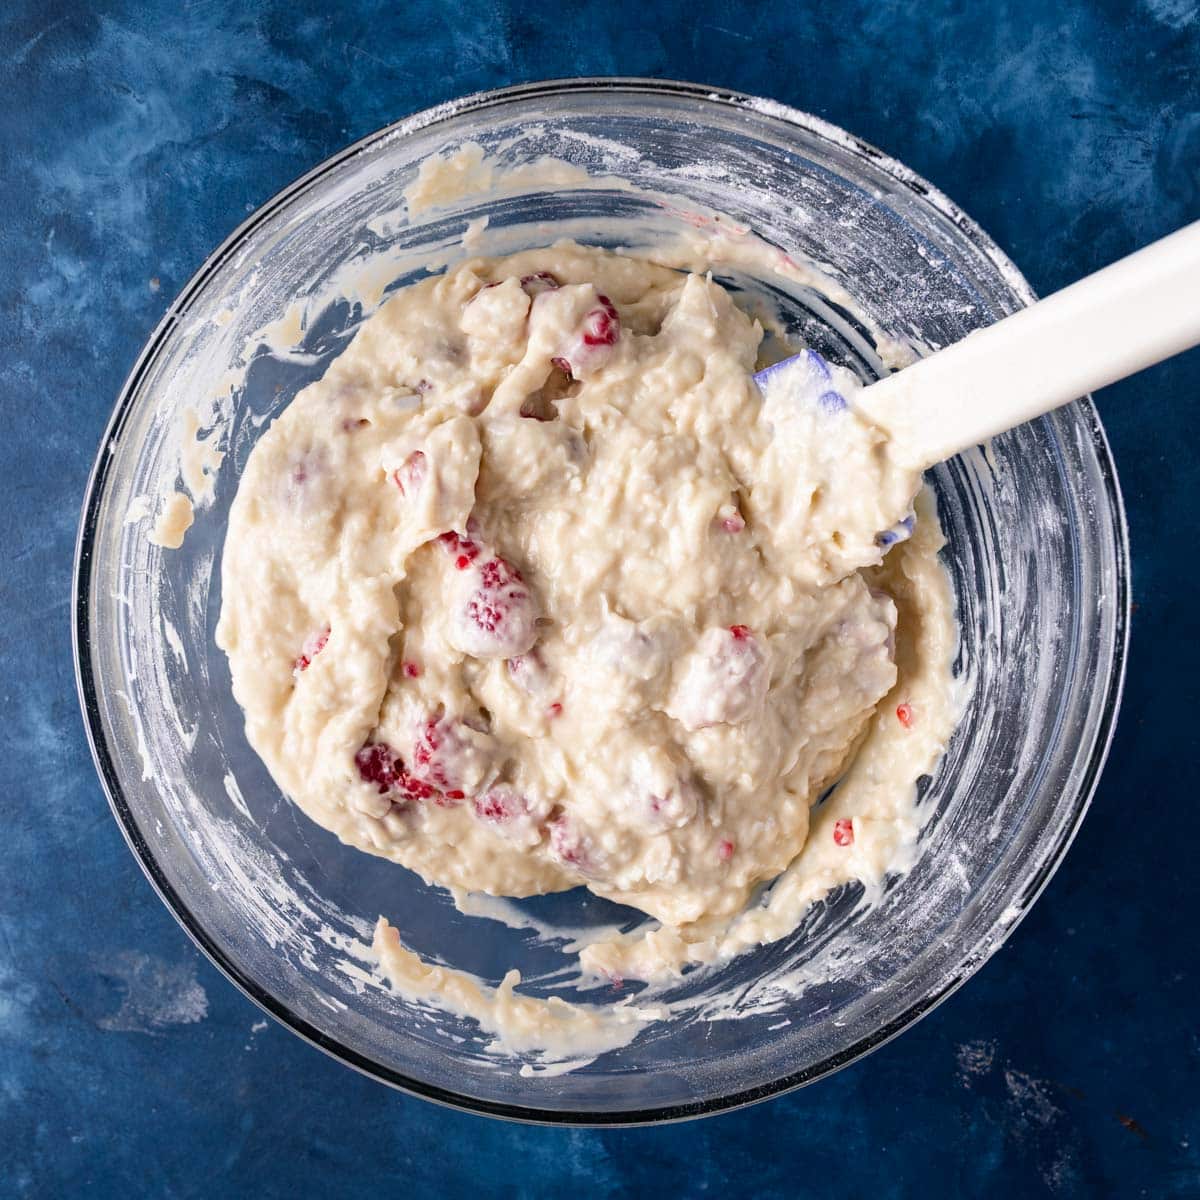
{"type": "Point", "coordinates": [1036, 548]}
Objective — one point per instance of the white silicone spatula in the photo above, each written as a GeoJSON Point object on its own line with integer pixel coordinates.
{"type": "Point", "coordinates": [1114, 323]}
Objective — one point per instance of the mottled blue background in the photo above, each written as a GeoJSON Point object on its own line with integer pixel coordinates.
{"type": "Point", "coordinates": [133, 137]}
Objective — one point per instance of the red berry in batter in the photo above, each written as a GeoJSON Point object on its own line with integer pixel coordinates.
{"type": "Point", "coordinates": [498, 617]}
{"type": "Point", "coordinates": [500, 804]}
{"type": "Point", "coordinates": [311, 649]}
{"type": "Point", "coordinates": [378, 763]}
{"type": "Point", "coordinates": [602, 326]}
{"type": "Point", "coordinates": [568, 845]}
{"type": "Point", "coordinates": [410, 474]}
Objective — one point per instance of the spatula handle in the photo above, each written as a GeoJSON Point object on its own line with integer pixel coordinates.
{"type": "Point", "coordinates": [1128, 316]}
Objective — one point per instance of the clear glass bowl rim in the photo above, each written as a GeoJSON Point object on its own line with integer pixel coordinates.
{"type": "Point", "coordinates": [971, 961]}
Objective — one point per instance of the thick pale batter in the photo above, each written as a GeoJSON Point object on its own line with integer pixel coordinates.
{"type": "Point", "coordinates": [535, 588]}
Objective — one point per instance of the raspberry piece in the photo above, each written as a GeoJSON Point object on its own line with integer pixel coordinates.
{"type": "Point", "coordinates": [486, 613]}
{"type": "Point", "coordinates": [537, 283]}
{"type": "Point", "coordinates": [410, 474]}
{"type": "Point", "coordinates": [725, 850]}
{"type": "Point", "coordinates": [598, 331]}
{"type": "Point", "coordinates": [529, 673]}
{"type": "Point", "coordinates": [497, 573]}
{"type": "Point", "coordinates": [511, 815]}
{"type": "Point", "coordinates": [904, 714]}
{"type": "Point", "coordinates": [412, 788]}
{"type": "Point", "coordinates": [310, 650]}
{"type": "Point", "coordinates": [602, 326]}
{"type": "Point", "coordinates": [555, 710]}
{"type": "Point", "coordinates": [411, 670]}
{"type": "Point", "coordinates": [379, 764]}
{"type": "Point", "coordinates": [843, 832]}
{"type": "Point", "coordinates": [724, 680]}
{"type": "Point", "coordinates": [497, 619]}
{"type": "Point", "coordinates": [449, 756]}
{"type": "Point", "coordinates": [569, 846]}
{"type": "Point", "coordinates": [501, 805]}
{"type": "Point", "coordinates": [427, 762]}
{"type": "Point", "coordinates": [464, 550]}
{"type": "Point", "coordinates": [734, 523]}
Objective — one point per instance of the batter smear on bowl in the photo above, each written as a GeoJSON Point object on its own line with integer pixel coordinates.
{"type": "Point", "coordinates": [538, 588]}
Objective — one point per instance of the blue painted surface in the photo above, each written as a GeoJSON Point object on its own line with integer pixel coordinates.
{"type": "Point", "coordinates": [133, 137]}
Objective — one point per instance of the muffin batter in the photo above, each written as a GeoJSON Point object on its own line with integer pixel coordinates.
{"type": "Point", "coordinates": [537, 588]}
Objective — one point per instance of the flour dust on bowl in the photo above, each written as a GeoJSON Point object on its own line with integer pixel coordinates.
{"type": "Point", "coordinates": [1035, 552]}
